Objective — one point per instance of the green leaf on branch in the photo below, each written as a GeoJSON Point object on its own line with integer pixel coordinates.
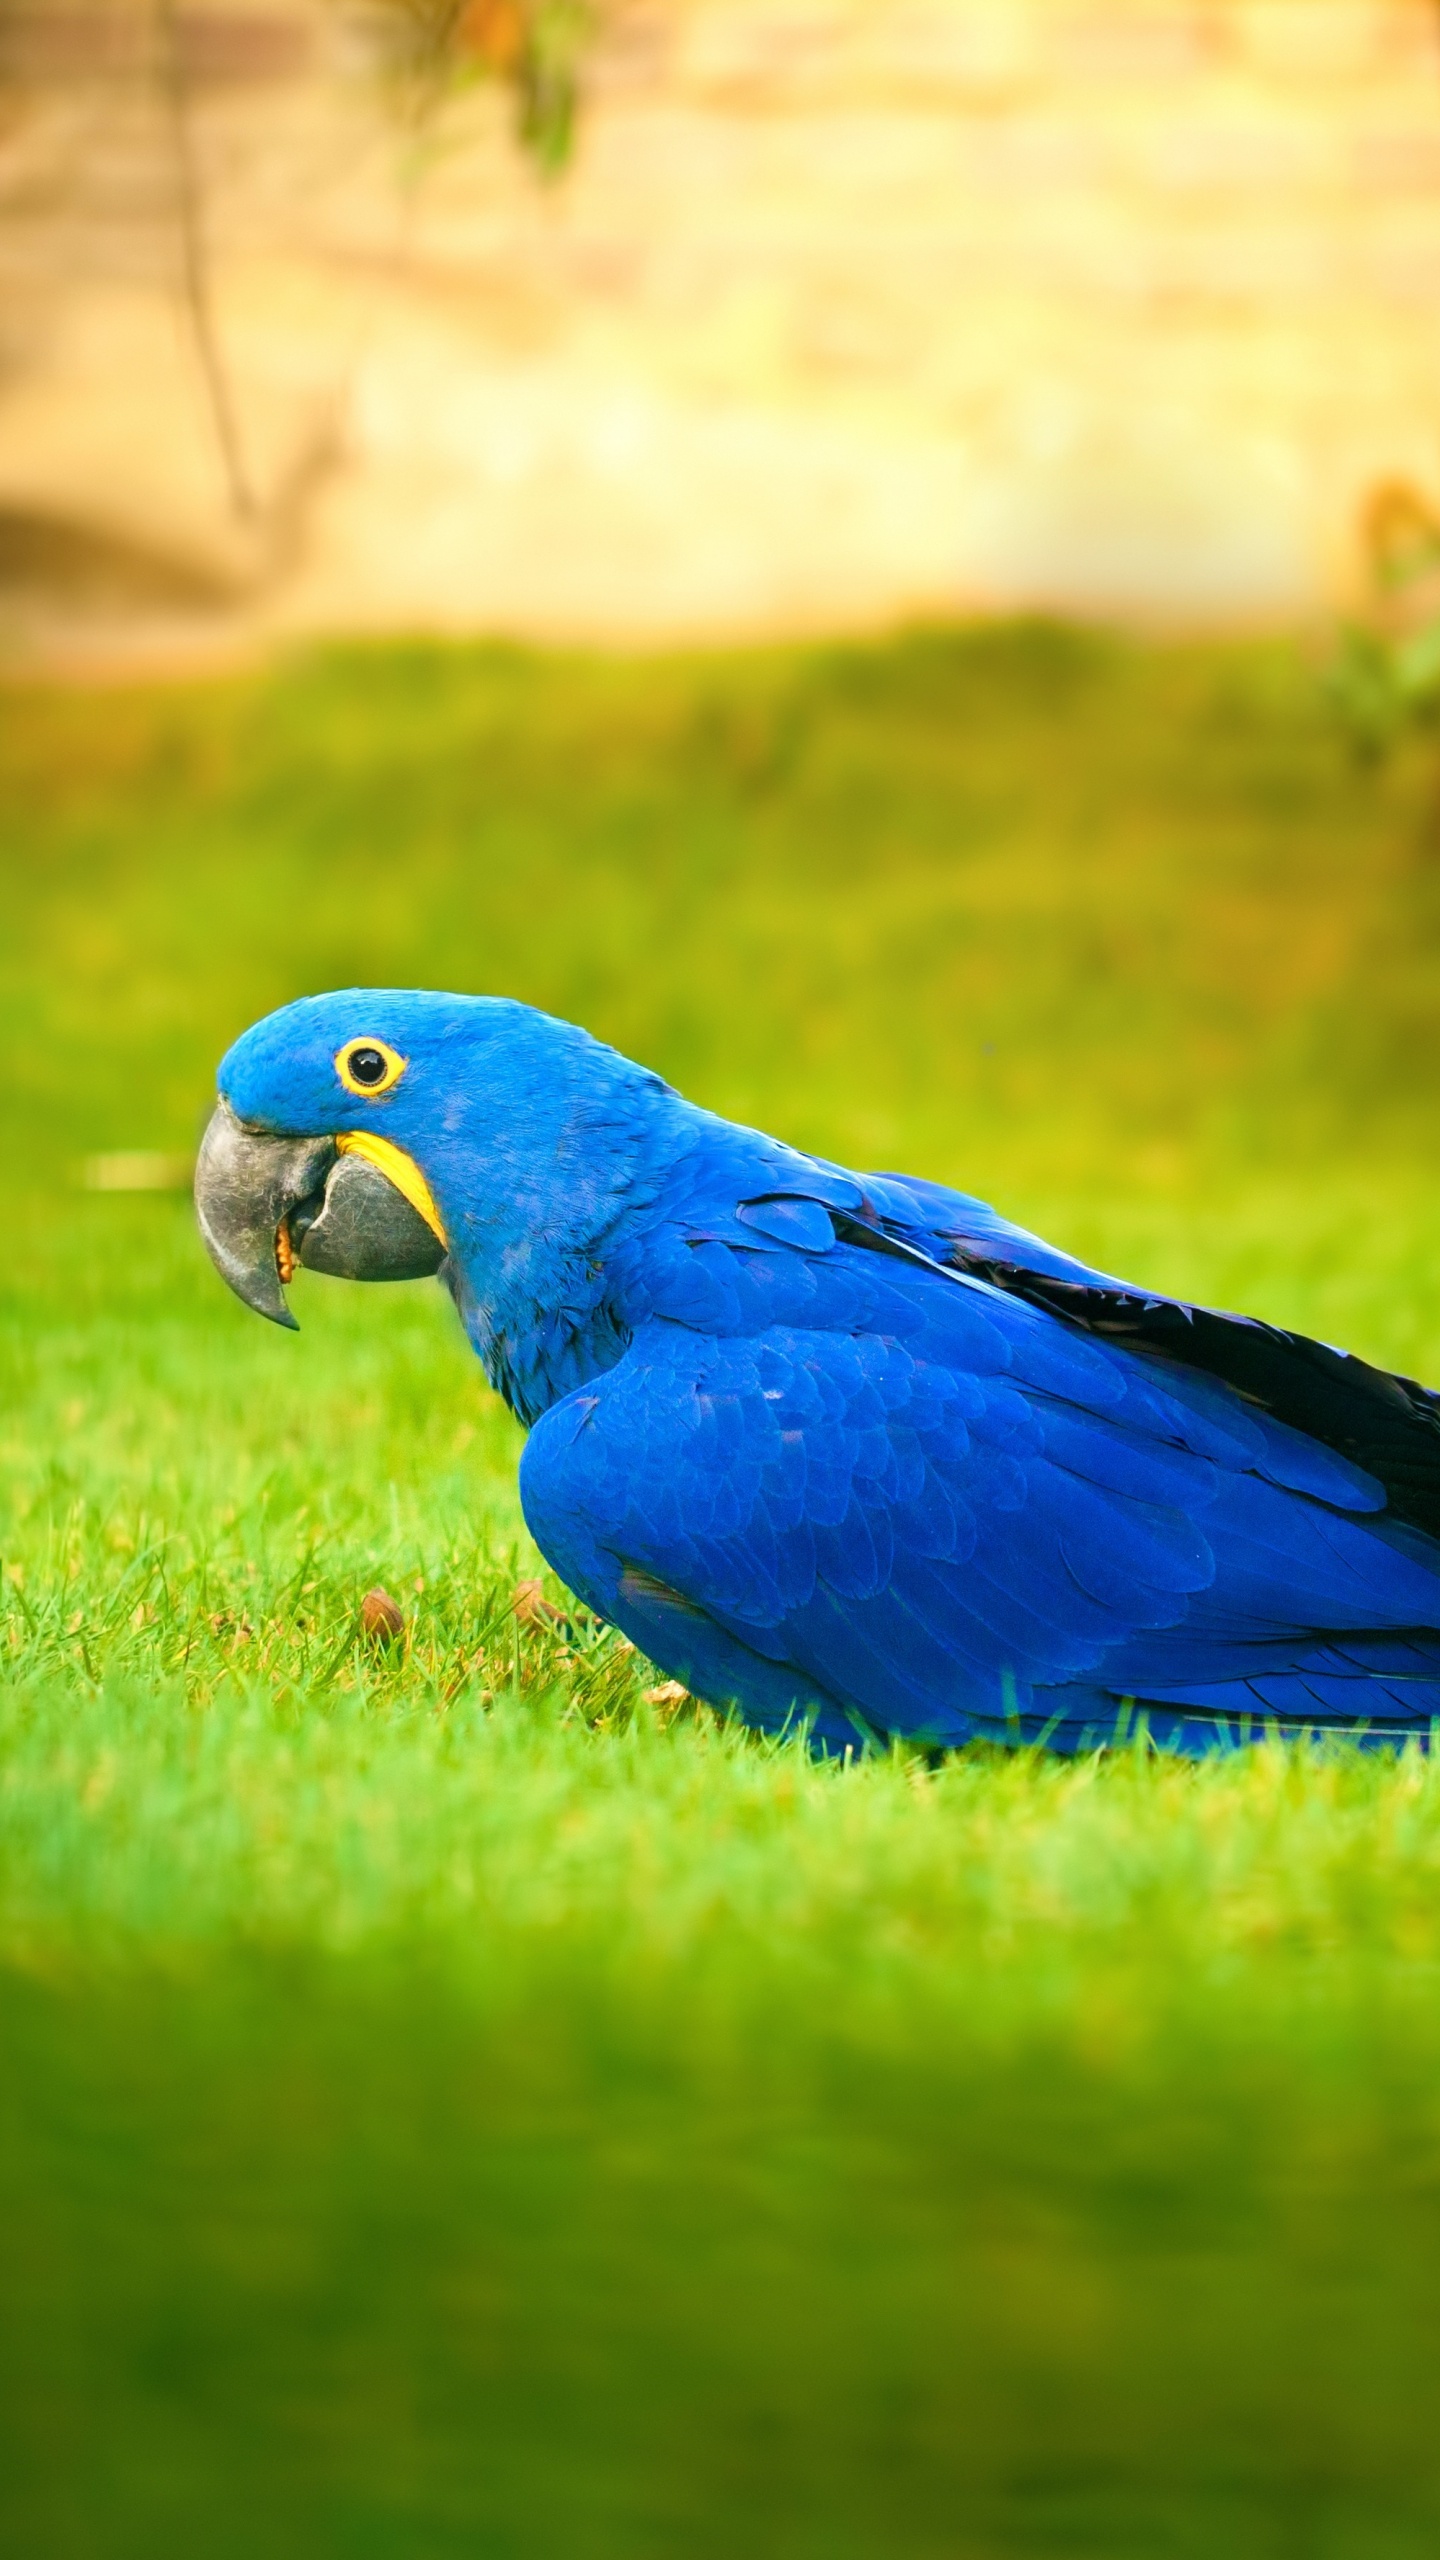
{"type": "Point", "coordinates": [430, 50]}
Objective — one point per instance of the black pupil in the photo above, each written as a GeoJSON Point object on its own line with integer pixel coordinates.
{"type": "Point", "coordinates": [367, 1066]}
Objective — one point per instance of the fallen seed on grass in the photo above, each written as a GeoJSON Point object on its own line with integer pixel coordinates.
{"type": "Point", "coordinates": [669, 1693]}
{"type": "Point", "coordinates": [382, 1620]}
{"type": "Point", "coordinates": [533, 1609]}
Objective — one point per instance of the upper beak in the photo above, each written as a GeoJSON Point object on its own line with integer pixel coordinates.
{"type": "Point", "coordinates": [266, 1203]}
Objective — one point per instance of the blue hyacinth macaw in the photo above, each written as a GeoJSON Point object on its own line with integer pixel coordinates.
{"type": "Point", "coordinates": [846, 1450]}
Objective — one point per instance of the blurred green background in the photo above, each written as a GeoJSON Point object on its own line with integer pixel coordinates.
{"type": "Point", "coordinates": [451, 2103]}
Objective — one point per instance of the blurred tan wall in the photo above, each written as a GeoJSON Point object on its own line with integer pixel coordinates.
{"type": "Point", "coordinates": [847, 308]}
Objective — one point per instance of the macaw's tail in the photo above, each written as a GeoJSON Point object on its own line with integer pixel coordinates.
{"type": "Point", "coordinates": [1370, 1688]}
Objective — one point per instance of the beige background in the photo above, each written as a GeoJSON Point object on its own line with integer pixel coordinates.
{"type": "Point", "coordinates": [847, 309]}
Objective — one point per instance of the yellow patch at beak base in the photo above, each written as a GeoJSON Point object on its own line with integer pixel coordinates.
{"type": "Point", "coordinates": [398, 1168]}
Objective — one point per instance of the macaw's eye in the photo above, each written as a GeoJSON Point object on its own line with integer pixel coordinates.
{"type": "Point", "coordinates": [368, 1066]}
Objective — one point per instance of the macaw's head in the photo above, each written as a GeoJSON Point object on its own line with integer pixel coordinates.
{"type": "Point", "coordinates": [380, 1134]}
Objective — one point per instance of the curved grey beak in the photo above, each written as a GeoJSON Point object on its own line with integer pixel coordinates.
{"type": "Point", "coordinates": [265, 1203]}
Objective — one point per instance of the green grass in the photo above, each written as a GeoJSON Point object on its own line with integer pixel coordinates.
{"type": "Point", "coordinates": [449, 2104]}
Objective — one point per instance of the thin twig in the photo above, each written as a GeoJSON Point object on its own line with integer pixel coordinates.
{"type": "Point", "coordinates": [195, 265]}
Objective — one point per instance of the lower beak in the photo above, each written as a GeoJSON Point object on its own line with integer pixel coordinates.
{"type": "Point", "coordinates": [265, 1203]}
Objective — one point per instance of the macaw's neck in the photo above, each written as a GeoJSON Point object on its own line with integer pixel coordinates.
{"type": "Point", "coordinates": [538, 1188]}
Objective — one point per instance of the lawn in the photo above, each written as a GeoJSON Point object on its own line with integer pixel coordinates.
{"type": "Point", "coordinates": [452, 2104]}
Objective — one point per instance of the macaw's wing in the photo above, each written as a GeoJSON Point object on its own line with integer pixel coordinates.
{"type": "Point", "coordinates": [1386, 1424]}
{"type": "Point", "coordinates": [945, 1511]}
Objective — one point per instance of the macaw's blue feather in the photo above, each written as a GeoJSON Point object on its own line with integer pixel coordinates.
{"type": "Point", "coordinates": [853, 1452]}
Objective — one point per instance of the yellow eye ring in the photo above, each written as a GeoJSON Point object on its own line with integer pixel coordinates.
{"type": "Point", "coordinates": [369, 1067]}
